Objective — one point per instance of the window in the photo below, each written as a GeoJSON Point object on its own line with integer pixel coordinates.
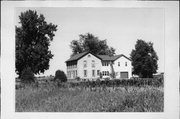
{"type": "Point", "coordinates": [105, 63]}
{"type": "Point", "coordinates": [118, 63]}
{"type": "Point", "coordinates": [105, 73]}
{"type": "Point", "coordinates": [85, 73]}
{"type": "Point", "coordinates": [89, 55]}
{"type": "Point", "coordinates": [76, 73]}
{"type": "Point", "coordinates": [93, 73]}
{"type": "Point", "coordinates": [69, 74]}
{"type": "Point", "coordinates": [116, 73]}
{"type": "Point", "coordinates": [125, 63]}
{"type": "Point", "coordinates": [98, 72]}
{"type": "Point", "coordinates": [108, 73]}
{"type": "Point", "coordinates": [85, 63]}
{"type": "Point", "coordinates": [93, 63]}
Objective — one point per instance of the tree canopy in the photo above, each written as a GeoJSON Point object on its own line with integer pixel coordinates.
{"type": "Point", "coordinates": [89, 42]}
{"type": "Point", "coordinates": [60, 76]}
{"type": "Point", "coordinates": [33, 38]}
{"type": "Point", "coordinates": [144, 59]}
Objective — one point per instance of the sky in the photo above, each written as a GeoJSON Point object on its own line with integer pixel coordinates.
{"type": "Point", "coordinates": [120, 26]}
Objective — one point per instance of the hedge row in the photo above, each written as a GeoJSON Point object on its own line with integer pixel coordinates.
{"type": "Point", "coordinates": [123, 82]}
{"type": "Point", "coordinates": [156, 82]}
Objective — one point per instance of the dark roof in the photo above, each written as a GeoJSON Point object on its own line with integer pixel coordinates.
{"type": "Point", "coordinates": [77, 56]}
{"type": "Point", "coordinates": [109, 58]}
{"type": "Point", "coordinates": [126, 57]}
{"type": "Point", "coordinates": [102, 57]}
{"type": "Point", "coordinates": [80, 55]}
{"type": "Point", "coordinates": [112, 58]}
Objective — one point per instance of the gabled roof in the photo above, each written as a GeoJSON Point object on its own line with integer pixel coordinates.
{"type": "Point", "coordinates": [101, 57]}
{"type": "Point", "coordinates": [126, 57]}
{"type": "Point", "coordinates": [80, 55]}
{"type": "Point", "coordinates": [108, 58]}
{"type": "Point", "coordinates": [112, 58]}
{"type": "Point", "coordinates": [77, 56]}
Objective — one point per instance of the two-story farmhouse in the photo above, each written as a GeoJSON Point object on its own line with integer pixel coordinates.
{"type": "Point", "coordinates": [89, 66]}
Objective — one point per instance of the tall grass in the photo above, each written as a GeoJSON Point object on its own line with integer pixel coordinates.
{"type": "Point", "coordinates": [51, 98]}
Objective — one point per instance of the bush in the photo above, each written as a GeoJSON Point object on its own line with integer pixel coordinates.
{"type": "Point", "coordinates": [60, 76]}
{"type": "Point", "coordinates": [78, 78]}
{"type": "Point", "coordinates": [27, 75]}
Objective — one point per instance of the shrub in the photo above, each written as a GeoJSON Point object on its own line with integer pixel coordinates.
{"type": "Point", "coordinates": [107, 81]}
{"type": "Point", "coordinates": [27, 75]}
{"type": "Point", "coordinates": [60, 76]}
{"type": "Point", "coordinates": [78, 78]}
{"type": "Point", "coordinates": [98, 82]}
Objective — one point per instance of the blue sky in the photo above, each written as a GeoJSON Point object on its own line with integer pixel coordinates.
{"type": "Point", "coordinates": [120, 26]}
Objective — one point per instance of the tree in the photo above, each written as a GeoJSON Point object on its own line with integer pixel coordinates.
{"type": "Point", "coordinates": [27, 75]}
{"type": "Point", "coordinates": [144, 59]}
{"type": "Point", "coordinates": [33, 37]}
{"type": "Point", "coordinates": [89, 42]}
{"type": "Point", "coordinates": [60, 76]}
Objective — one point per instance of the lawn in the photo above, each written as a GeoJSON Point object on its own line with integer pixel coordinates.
{"type": "Point", "coordinates": [50, 98]}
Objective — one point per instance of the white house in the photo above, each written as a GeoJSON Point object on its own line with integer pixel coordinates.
{"type": "Point", "coordinates": [86, 65]}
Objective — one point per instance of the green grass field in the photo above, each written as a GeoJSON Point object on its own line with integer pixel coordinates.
{"type": "Point", "coordinates": [50, 98]}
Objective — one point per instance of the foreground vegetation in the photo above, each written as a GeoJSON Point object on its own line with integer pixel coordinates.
{"type": "Point", "coordinates": [50, 97]}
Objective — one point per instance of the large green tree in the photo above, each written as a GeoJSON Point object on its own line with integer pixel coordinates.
{"type": "Point", "coordinates": [33, 37]}
{"type": "Point", "coordinates": [144, 59]}
{"type": "Point", "coordinates": [89, 42]}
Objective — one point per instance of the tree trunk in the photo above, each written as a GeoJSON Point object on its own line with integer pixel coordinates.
{"type": "Point", "coordinates": [112, 70]}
